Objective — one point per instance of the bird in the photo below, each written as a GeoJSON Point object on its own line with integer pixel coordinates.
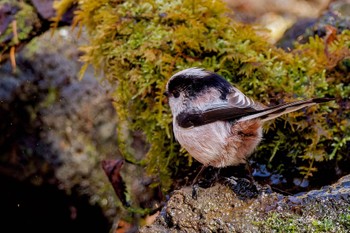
{"type": "Point", "coordinates": [215, 122]}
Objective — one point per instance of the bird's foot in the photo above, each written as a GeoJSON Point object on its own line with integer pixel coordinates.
{"type": "Point", "coordinates": [195, 188]}
{"type": "Point", "coordinates": [242, 187]}
{"type": "Point", "coordinates": [203, 183]}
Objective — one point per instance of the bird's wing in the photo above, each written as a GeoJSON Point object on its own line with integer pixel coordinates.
{"type": "Point", "coordinates": [237, 106]}
{"type": "Point", "coordinates": [238, 100]}
{"type": "Point", "coordinates": [242, 109]}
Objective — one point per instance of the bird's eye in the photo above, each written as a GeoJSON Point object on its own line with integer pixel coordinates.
{"type": "Point", "coordinates": [176, 94]}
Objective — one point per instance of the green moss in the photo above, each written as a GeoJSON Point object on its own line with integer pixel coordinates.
{"type": "Point", "coordinates": [139, 45]}
{"type": "Point", "coordinates": [289, 222]}
{"type": "Point", "coordinates": [26, 19]}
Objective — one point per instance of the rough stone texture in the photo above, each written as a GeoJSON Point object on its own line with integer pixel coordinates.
{"type": "Point", "coordinates": [217, 209]}
{"type": "Point", "coordinates": [44, 8]}
{"type": "Point", "coordinates": [56, 129]}
{"type": "Point", "coordinates": [7, 13]}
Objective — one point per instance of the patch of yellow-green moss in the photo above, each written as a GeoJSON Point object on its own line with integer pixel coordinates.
{"type": "Point", "coordinates": [289, 222]}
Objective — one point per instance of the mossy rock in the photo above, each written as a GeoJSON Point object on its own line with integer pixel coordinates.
{"type": "Point", "coordinates": [139, 45]}
{"type": "Point", "coordinates": [19, 22]}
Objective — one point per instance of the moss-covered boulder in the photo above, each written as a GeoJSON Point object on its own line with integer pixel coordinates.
{"type": "Point", "coordinates": [139, 45]}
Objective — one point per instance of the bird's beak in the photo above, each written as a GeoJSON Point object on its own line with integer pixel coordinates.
{"type": "Point", "coordinates": [166, 100]}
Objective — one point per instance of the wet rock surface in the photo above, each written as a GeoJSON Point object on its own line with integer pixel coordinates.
{"type": "Point", "coordinates": [218, 209]}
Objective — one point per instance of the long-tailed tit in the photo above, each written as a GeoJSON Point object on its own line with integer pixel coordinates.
{"type": "Point", "coordinates": [214, 121]}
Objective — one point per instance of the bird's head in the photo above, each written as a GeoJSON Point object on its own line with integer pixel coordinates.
{"type": "Point", "coordinates": [195, 87]}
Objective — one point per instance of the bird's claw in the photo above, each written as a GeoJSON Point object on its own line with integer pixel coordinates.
{"type": "Point", "coordinates": [243, 188]}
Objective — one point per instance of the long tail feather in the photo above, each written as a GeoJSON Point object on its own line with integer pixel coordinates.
{"type": "Point", "coordinates": [276, 111]}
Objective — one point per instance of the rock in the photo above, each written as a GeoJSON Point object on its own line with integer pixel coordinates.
{"type": "Point", "coordinates": [218, 209]}
{"type": "Point", "coordinates": [21, 21]}
{"type": "Point", "coordinates": [44, 8]}
{"type": "Point", "coordinates": [55, 128]}
{"type": "Point", "coordinates": [336, 16]}
{"type": "Point", "coordinates": [7, 13]}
